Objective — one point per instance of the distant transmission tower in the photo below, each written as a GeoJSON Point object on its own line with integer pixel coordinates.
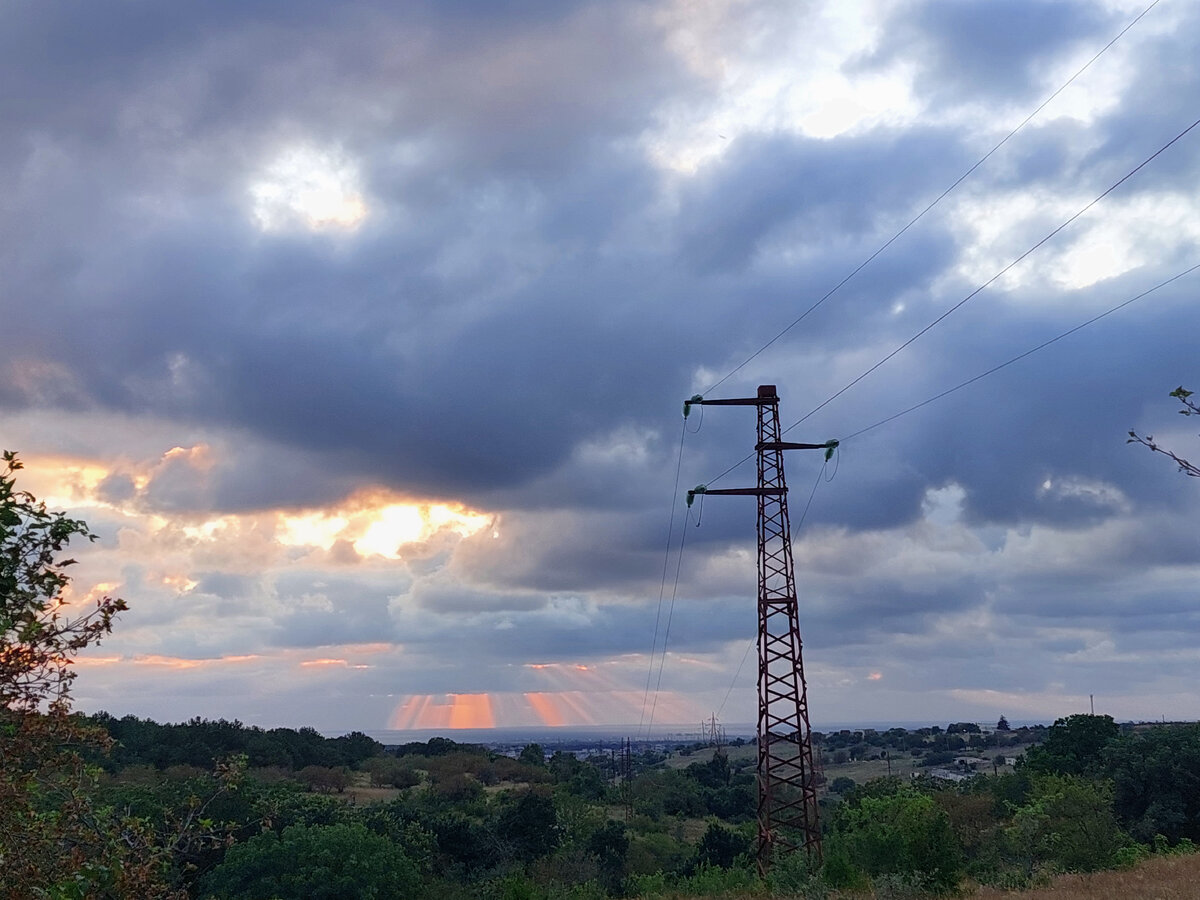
{"type": "Point", "coordinates": [712, 732]}
{"type": "Point", "coordinates": [627, 777]}
{"type": "Point", "coordinates": [787, 784]}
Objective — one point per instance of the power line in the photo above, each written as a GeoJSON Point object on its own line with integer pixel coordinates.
{"type": "Point", "coordinates": [999, 274]}
{"type": "Point", "coordinates": [666, 563]}
{"type": "Point", "coordinates": [1021, 356]}
{"type": "Point", "coordinates": [961, 178]}
{"type": "Point", "coordinates": [994, 369]}
{"type": "Point", "coordinates": [945, 393]}
{"type": "Point", "coordinates": [667, 630]}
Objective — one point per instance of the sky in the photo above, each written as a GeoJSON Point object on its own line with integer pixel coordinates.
{"type": "Point", "coordinates": [359, 333]}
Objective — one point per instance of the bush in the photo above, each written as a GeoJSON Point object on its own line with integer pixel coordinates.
{"type": "Point", "coordinates": [792, 875]}
{"type": "Point", "coordinates": [842, 785]}
{"type": "Point", "coordinates": [1068, 823]}
{"type": "Point", "coordinates": [905, 833]}
{"type": "Point", "coordinates": [333, 862]}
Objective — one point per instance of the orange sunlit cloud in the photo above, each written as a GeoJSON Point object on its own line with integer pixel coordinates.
{"type": "Point", "coordinates": [875, 676]}
{"type": "Point", "coordinates": [95, 660]}
{"type": "Point", "coordinates": [177, 662]}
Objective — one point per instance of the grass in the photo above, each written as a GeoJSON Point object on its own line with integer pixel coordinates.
{"type": "Point", "coordinates": [1158, 878]}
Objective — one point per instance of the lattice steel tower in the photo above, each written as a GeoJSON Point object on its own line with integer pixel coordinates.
{"type": "Point", "coordinates": [787, 790]}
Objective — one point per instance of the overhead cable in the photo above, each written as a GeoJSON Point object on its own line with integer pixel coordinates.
{"type": "Point", "coordinates": [961, 178]}
{"type": "Point", "coordinates": [1005, 270]}
{"type": "Point", "coordinates": [1021, 356]}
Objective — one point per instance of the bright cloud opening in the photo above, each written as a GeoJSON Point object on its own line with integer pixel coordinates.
{"type": "Point", "coordinates": [377, 527]}
{"type": "Point", "coordinates": [308, 187]}
{"type": "Point", "coordinates": [400, 524]}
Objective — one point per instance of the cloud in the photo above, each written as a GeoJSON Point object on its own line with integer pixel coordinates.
{"type": "Point", "coordinates": [371, 326]}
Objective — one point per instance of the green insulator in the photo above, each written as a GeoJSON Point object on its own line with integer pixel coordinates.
{"type": "Point", "coordinates": [687, 404]}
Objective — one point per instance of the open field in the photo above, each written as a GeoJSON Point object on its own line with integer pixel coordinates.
{"type": "Point", "coordinates": [902, 764]}
{"type": "Point", "coordinates": [1160, 878]}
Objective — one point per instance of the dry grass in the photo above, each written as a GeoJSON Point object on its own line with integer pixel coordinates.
{"type": "Point", "coordinates": [1159, 878]}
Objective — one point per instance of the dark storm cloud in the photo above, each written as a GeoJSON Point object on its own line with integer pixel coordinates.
{"type": "Point", "coordinates": [988, 50]}
{"type": "Point", "coordinates": [815, 186]}
{"type": "Point", "coordinates": [515, 323]}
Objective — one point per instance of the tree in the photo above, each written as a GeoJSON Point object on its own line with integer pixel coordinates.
{"type": "Point", "coordinates": [1068, 822]}
{"type": "Point", "coordinates": [1002, 725]}
{"type": "Point", "coordinates": [1073, 746]}
{"type": "Point", "coordinates": [331, 861]}
{"type": "Point", "coordinates": [842, 784]}
{"type": "Point", "coordinates": [1190, 408]}
{"type": "Point", "coordinates": [530, 823]}
{"type": "Point", "coordinates": [720, 846]}
{"type": "Point", "coordinates": [532, 755]}
{"type": "Point", "coordinates": [53, 841]}
{"type": "Point", "coordinates": [903, 833]}
{"type": "Point", "coordinates": [1156, 779]}
{"type": "Point", "coordinates": [37, 638]}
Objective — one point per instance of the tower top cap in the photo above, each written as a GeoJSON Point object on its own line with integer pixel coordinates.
{"type": "Point", "coordinates": [767, 390]}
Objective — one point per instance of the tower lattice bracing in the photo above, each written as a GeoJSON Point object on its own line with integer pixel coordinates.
{"type": "Point", "coordinates": [787, 789]}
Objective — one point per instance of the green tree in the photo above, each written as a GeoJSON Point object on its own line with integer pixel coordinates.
{"type": "Point", "coordinates": [720, 846]}
{"type": "Point", "coordinates": [1190, 408]}
{"type": "Point", "coordinates": [53, 841]}
{"type": "Point", "coordinates": [1069, 823]}
{"type": "Point", "coordinates": [1002, 724]}
{"type": "Point", "coordinates": [38, 638]}
{"type": "Point", "coordinates": [1156, 781]}
{"type": "Point", "coordinates": [1073, 746]}
{"type": "Point", "coordinates": [842, 784]}
{"type": "Point", "coordinates": [331, 862]}
{"type": "Point", "coordinates": [532, 755]}
{"type": "Point", "coordinates": [610, 846]}
{"type": "Point", "coordinates": [904, 833]}
{"type": "Point", "coordinates": [530, 823]}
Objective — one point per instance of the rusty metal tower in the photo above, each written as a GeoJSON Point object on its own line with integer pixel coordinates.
{"type": "Point", "coordinates": [787, 789]}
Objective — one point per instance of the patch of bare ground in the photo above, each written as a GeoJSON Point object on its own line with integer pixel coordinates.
{"type": "Point", "coordinates": [1159, 878]}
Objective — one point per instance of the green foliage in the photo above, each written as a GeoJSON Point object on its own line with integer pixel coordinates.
{"type": "Point", "coordinates": [37, 639]}
{"type": "Point", "coordinates": [200, 742]}
{"type": "Point", "coordinates": [651, 853]}
{"type": "Point", "coordinates": [337, 862]}
{"type": "Point", "coordinates": [842, 785]}
{"type": "Point", "coordinates": [1073, 746]}
{"type": "Point", "coordinates": [54, 841]}
{"type": "Point", "coordinates": [610, 845]}
{"type": "Point", "coordinates": [532, 755]}
{"type": "Point", "coordinates": [904, 833]}
{"type": "Point", "coordinates": [792, 875]}
{"type": "Point", "coordinates": [388, 771]}
{"type": "Point", "coordinates": [705, 882]}
{"type": "Point", "coordinates": [529, 823]}
{"type": "Point", "coordinates": [1156, 781]}
{"type": "Point", "coordinates": [323, 779]}
{"type": "Point", "coordinates": [1068, 823]}
{"type": "Point", "coordinates": [720, 847]}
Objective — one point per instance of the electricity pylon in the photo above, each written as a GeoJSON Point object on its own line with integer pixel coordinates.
{"type": "Point", "coordinates": [787, 789]}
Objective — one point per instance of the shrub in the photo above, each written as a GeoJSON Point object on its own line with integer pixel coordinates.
{"type": "Point", "coordinates": [318, 863]}
{"type": "Point", "coordinates": [905, 833]}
